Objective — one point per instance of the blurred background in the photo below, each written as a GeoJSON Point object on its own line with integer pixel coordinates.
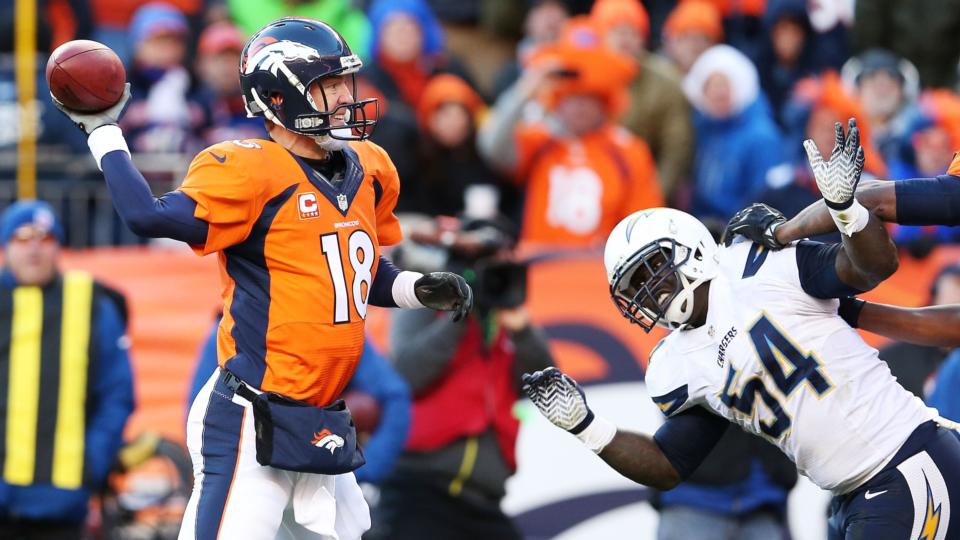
{"type": "Point", "coordinates": [523, 130]}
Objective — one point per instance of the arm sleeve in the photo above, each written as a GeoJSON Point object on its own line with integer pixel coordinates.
{"type": "Point", "coordinates": [381, 290]}
{"type": "Point", "coordinates": [169, 216]}
{"type": "Point", "coordinates": [226, 199]}
{"type": "Point", "coordinates": [111, 394]}
{"type": "Point", "coordinates": [423, 345]}
{"type": "Point", "coordinates": [816, 264]}
{"type": "Point", "coordinates": [376, 377]}
{"type": "Point", "coordinates": [688, 437]}
{"type": "Point", "coordinates": [928, 201]}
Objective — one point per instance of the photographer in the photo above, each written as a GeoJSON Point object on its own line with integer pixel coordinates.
{"type": "Point", "coordinates": [465, 378]}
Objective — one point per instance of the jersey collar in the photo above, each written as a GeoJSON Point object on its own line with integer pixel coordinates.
{"type": "Point", "coordinates": [339, 195]}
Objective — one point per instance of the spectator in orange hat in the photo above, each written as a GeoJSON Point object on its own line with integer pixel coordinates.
{"type": "Point", "coordinates": [582, 173]}
{"type": "Point", "coordinates": [692, 27]}
{"type": "Point", "coordinates": [218, 56]}
{"type": "Point", "coordinates": [447, 161]}
{"type": "Point", "coordinates": [658, 112]}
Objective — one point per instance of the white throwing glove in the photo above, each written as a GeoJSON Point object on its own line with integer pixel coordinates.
{"type": "Point", "coordinates": [561, 400]}
{"type": "Point", "coordinates": [838, 178]}
{"type": "Point", "coordinates": [88, 122]}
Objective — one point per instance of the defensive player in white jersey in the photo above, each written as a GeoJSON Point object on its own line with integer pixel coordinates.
{"type": "Point", "coordinates": [757, 341]}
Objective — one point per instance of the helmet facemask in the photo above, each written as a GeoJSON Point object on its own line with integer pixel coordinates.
{"type": "Point", "coordinates": [316, 121]}
{"type": "Point", "coordinates": [650, 289]}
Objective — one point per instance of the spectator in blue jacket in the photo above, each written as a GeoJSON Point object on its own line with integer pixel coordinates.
{"type": "Point", "coordinates": [374, 376]}
{"type": "Point", "coordinates": [738, 144]}
{"type": "Point", "coordinates": [67, 388]}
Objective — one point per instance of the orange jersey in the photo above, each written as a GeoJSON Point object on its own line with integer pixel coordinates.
{"type": "Point", "coordinates": [297, 256]}
{"type": "Point", "coordinates": [577, 190]}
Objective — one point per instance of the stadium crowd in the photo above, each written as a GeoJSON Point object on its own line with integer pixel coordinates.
{"type": "Point", "coordinates": [560, 117]}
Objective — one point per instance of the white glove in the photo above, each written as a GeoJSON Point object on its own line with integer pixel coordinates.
{"type": "Point", "coordinates": [838, 178]}
{"type": "Point", "coordinates": [91, 121]}
{"type": "Point", "coordinates": [561, 400]}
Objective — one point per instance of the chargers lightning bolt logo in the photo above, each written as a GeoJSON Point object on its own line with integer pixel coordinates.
{"type": "Point", "coordinates": [931, 522]}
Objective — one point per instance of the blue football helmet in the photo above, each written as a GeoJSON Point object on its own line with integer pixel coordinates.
{"type": "Point", "coordinates": [280, 62]}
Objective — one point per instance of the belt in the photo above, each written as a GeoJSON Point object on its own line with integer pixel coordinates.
{"type": "Point", "coordinates": [237, 386]}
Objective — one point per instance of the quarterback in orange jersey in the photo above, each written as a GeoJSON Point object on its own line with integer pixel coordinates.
{"type": "Point", "coordinates": [297, 223]}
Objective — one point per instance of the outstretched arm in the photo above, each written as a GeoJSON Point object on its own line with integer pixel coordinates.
{"type": "Point", "coordinates": [868, 255]}
{"type": "Point", "coordinates": [661, 461]}
{"type": "Point", "coordinates": [877, 196]}
{"type": "Point", "coordinates": [169, 216]}
{"type": "Point", "coordinates": [935, 326]}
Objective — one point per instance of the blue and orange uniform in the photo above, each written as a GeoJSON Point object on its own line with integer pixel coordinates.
{"type": "Point", "coordinates": [298, 254]}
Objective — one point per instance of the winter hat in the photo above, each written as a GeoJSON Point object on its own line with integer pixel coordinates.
{"type": "Point", "coordinates": [699, 16]}
{"type": "Point", "coordinates": [30, 212]}
{"type": "Point", "coordinates": [608, 14]}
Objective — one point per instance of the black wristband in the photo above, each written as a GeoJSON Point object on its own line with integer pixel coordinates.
{"type": "Point", "coordinates": [849, 310]}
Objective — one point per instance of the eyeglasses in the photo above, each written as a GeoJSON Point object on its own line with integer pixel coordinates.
{"type": "Point", "coordinates": [29, 233]}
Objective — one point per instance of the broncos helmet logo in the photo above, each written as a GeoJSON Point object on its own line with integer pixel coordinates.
{"type": "Point", "coordinates": [327, 439]}
{"type": "Point", "coordinates": [270, 56]}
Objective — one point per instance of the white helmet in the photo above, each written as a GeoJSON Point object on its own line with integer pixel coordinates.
{"type": "Point", "coordinates": [675, 254]}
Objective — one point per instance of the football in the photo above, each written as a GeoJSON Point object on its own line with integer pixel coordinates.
{"type": "Point", "coordinates": [85, 76]}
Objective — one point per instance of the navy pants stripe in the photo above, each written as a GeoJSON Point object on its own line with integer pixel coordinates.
{"type": "Point", "coordinates": [222, 426]}
{"type": "Point", "coordinates": [910, 499]}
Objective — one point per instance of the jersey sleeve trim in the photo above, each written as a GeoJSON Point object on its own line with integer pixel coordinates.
{"type": "Point", "coordinates": [688, 438]}
{"type": "Point", "coordinates": [816, 265]}
{"type": "Point", "coordinates": [672, 401]}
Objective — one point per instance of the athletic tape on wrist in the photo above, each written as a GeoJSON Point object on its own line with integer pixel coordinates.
{"type": "Point", "coordinates": [852, 220]}
{"type": "Point", "coordinates": [106, 139]}
{"type": "Point", "coordinates": [598, 434]}
{"type": "Point", "coordinates": [404, 292]}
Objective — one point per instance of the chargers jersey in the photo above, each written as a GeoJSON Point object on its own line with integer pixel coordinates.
{"type": "Point", "coordinates": [783, 365]}
{"type": "Point", "coordinates": [297, 255]}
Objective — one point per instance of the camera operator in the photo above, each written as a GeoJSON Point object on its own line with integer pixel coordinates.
{"type": "Point", "coordinates": [465, 377]}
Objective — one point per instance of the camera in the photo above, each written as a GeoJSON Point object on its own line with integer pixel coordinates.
{"type": "Point", "coordinates": [478, 249]}
{"type": "Point", "coordinates": [500, 283]}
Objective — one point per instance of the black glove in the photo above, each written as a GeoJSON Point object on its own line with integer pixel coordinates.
{"type": "Point", "coordinates": [849, 310]}
{"type": "Point", "coordinates": [445, 291]}
{"type": "Point", "coordinates": [560, 399]}
{"type": "Point", "coordinates": [756, 222]}
{"type": "Point", "coordinates": [89, 121]}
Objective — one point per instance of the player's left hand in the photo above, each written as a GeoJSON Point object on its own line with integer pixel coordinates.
{"type": "Point", "coordinates": [88, 122]}
{"type": "Point", "coordinates": [758, 222]}
{"type": "Point", "coordinates": [559, 398]}
{"type": "Point", "coordinates": [838, 177]}
{"type": "Point", "coordinates": [445, 291]}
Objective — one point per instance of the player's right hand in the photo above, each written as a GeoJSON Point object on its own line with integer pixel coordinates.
{"type": "Point", "coordinates": [838, 177]}
{"type": "Point", "coordinates": [445, 291]}
{"type": "Point", "coordinates": [88, 122]}
{"type": "Point", "coordinates": [758, 222]}
{"type": "Point", "coordinates": [559, 398]}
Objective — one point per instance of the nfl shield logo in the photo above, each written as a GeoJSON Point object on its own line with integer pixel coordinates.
{"type": "Point", "coordinates": [342, 202]}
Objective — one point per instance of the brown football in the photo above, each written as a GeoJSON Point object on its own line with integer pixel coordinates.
{"type": "Point", "coordinates": [85, 76]}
